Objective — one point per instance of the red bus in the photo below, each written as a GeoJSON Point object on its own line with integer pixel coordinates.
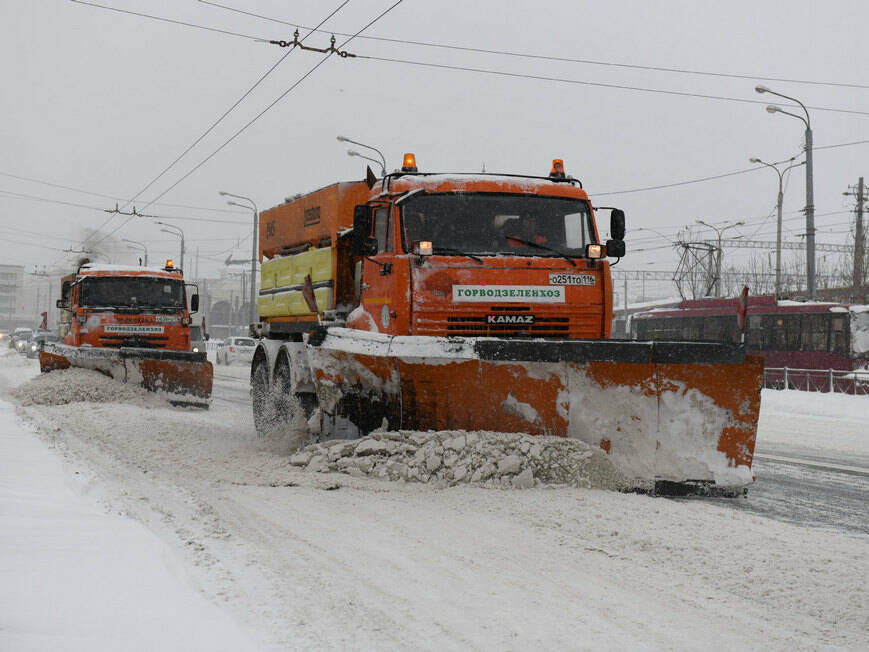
{"type": "Point", "coordinates": [806, 345]}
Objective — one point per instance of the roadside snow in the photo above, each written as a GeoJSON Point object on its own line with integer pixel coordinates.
{"type": "Point", "coordinates": [330, 561]}
{"type": "Point", "coordinates": [75, 577]}
{"type": "Point", "coordinates": [81, 385]}
{"type": "Point", "coordinates": [822, 421]}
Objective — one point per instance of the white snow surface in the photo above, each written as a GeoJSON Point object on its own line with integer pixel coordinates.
{"type": "Point", "coordinates": [326, 561]}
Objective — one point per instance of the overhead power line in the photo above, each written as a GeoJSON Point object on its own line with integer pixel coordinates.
{"type": "Point", "coordinates": [227, 112]}
{"type": "Point", "coordinates": [18, 195]}
{"type": "Point", "coordinates": [167, 20]}
{"type": "Point", "coordinates": [541, 57]}
{"type": "Point", "coordinates": [270, 106]}
{"type": "Point", "coordinates": [113, 197]}
{"type": "Point", "coordinates": [580, 82]}
{"type": "Point", "coordinates": [207, 131]}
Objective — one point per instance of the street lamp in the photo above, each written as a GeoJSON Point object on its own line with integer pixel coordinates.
{"type": "Point", "coordinates": [177, 232]}
{"type": "Point", "coordinates": [351, 152]}
{"type": "Point", "coordinates": [810, 196]}
{"type": "Point", "coordinates": [253, 254]}
{"type": "Point", "coordinates": [719, 232]}
{"type": "Point", "coordinates": [780, 174]}
{"type": "Point", "coordinates": [144, 248]}
{"type": "Point", "coordinates": [344, 139]}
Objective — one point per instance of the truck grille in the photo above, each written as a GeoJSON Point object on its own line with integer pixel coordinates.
{"type": "Point", "coordinates": [502, 321]}
{"type": "Point", "coordinates": [135, 342]}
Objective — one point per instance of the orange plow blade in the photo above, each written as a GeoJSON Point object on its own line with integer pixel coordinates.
{"type": "Point", "coordinates": [675, 417]}
{"type": "Point", "coordinates": [185, 377]}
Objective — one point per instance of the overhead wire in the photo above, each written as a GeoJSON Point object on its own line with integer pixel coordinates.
{"type": "Point", "coordinates": [214, 124]}
{"type": "Point", "coordinates": [273, 103]}
{"type": "Point", "coordinates": [580, 82]}
{"type": "Point", "coordinates": [541, 57]}
{"type": "Point", "coordinates": [167, 20]}
{"type": "Point", "coordinates": [113, 197]}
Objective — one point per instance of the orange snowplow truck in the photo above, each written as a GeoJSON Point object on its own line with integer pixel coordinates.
{"type": "Point", "coordinates": [484, 302]}
{"type": "Point", "coordinates": [133, 324]}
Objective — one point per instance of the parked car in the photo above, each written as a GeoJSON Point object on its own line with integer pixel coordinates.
{"type": "Point", "coordinates": [236, 349]}
{"type": "Point", "coordinates": [20, 338]}
{"type": "Point", "coordinates": [36, 344]}
{"type": "Point", "coordinates": [197, 339]}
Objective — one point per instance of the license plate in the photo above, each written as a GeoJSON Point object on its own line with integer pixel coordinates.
{"type": "Point", "coordinates": [572, 279]}
{"type": "Point", "coordinates": [510, 319]}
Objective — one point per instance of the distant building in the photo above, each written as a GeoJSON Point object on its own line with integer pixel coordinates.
{"type": "Point", "coordinates": [12, 297]}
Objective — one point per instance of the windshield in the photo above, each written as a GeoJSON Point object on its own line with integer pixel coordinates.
{"type": "Point", "coordinates": [243, 341]}
{"type": "Point", "coordinates": [860, 331]}
{"type": "Point", "coordinates": [132, 292]}
{"type": "Point", "coordinates": [195, 332]}
{"type": "Point", "coordinates": [487, 223]}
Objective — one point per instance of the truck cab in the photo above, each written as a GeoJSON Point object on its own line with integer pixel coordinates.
{"type": "Point", "coordinates": [114, 306]}
{"type": "Point", "coordinates": [483, 256]}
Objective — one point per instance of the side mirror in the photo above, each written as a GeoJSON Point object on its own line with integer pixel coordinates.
{"type": "Point", "coordinates": [617, 224]}
{"type": "Point", "coordinates": [615, 248]}
{"type": "Point", "coordinates": [194, 303]}
{"type": "Point", "coordinates": [362, 244]}
{"type": "Point", "coordinates": [207, 337]}
{"type": "Point", "coordinates": [60, 305]}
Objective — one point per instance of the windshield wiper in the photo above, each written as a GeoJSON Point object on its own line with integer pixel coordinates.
{"type": "Point", "coordinates": [451, 250]}
{"type": "Point", "coordinates": [541, 246]}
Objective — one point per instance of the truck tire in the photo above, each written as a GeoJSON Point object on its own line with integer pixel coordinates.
{"type": "Point", "coordinates": [260, 394]}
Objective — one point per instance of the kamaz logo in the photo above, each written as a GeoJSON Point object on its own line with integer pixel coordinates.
{"type": "Point", "coordinates": [509, 319]}
{"type": "Point", "coordinates": [270, 229]}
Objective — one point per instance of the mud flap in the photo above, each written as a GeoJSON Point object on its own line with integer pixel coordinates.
{"type": "Point", "coordinates": [666, 412]}
{"type": "Point", "coordinates": [186, 377]}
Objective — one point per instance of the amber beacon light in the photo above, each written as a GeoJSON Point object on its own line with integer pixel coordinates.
{"type": "Point", "coordinates": [557, 171]}
{"type": "Point", "coordinates": [409, 163]}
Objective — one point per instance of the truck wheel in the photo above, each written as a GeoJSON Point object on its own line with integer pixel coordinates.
{"type": "Point", "coordinates": [263, 410]}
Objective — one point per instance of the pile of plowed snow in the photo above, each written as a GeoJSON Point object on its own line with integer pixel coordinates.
{"type": "Point", "coordinates": [490, 459]}
{"type": "Point", "coordinates": [79, 386]}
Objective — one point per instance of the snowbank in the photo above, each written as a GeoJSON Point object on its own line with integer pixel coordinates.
{"type": "Point", "coordinates": [76, 577]}
{"type": "Point", "coordinates": [491, 459]}
{"type": "Point", "coordinates": [80, 386]}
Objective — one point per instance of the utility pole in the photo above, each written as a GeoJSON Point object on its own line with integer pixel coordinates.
{"type": "Point", "coordinates": [859, 236]}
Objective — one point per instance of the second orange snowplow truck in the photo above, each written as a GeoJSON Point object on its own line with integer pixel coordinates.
{"type": "Point", "coordinates": [133, 324]}
{"type": "Point", "coordinates": [484, 302]}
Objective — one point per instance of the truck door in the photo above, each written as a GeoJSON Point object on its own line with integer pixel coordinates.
{"type": "Point", "coordinates": [386, 277]}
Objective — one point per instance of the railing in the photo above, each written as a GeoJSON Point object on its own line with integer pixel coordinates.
{"type": "Point", "coordinates": [817, 380]}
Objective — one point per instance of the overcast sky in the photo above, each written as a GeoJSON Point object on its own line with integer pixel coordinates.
{"type": "Point", "coordinates": [102, 101]}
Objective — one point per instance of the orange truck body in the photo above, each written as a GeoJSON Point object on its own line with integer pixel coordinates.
{"type": "Point", "coordinates": [473, 329]}
{"type": "Point", "coordinates": [131, 323]}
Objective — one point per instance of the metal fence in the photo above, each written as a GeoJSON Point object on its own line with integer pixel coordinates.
{"type": "Point", "coordinates": [817, 380]}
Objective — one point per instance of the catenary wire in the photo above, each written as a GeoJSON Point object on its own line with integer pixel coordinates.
{"type": "Point", "coordinates": [167, 20]}
{"type": "Point", "coordinates": [278, 99]}
{"type": "Point", "coordinates": [540, 57]}
{"type": "Point", "coordinates": [580, 82]}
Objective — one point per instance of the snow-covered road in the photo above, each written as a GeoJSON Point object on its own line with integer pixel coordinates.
{"type": "Point", "coordinates": [328, 561]}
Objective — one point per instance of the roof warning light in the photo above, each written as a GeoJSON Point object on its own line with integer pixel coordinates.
{"type": "Point", "coordinates": [409, 163]}
{"type": "Point", "coordinates": [557, 171]}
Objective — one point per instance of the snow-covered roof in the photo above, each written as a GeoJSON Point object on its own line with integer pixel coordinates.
{"type": "Point", "coordinates": [92, 267]}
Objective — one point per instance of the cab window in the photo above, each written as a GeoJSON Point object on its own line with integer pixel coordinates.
{"type": "Point", "coordinates": [383, 229]}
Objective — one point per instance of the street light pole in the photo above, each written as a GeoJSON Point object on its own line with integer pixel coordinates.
{"type": "Point", "coordinates": [810, 194]}
{"type": "Point", "coordinates": [720, 233]}
{"type": "Point", "coordinates": [780, 174]}
{"type": "Point", "coordinates": [179, 232]}
{"type": "Point", "coordinates": [144, 248]}
{"type": "Point", "coordinates": [344, 139]}
{"type": "Point", "coordinates": [351, 153]}
{"type": "Point", "coordinates": [253, 253]}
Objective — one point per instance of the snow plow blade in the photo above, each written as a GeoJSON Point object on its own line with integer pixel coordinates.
{"type": "Point", "coordinates": [674, 417]}
{"type": "Point", "coordinates": [186, 377]}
